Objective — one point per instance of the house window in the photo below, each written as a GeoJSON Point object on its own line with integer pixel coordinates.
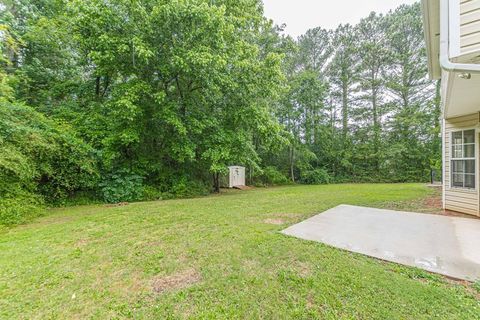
{"type": "Point", "coordinates": [463, 159]}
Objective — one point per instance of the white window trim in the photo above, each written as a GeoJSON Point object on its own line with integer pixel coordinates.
{"type": "Point", "coordinates": [475, 158]}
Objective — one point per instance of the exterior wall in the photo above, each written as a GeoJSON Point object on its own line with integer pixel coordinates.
{"type": "Point", "coordinates": [469, 26]}
{"type": "Point", "coordinates": [237, 176]}
{"type": "Point", "coordinates": [456, 199]}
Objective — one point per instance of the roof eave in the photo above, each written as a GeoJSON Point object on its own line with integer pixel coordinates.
{"type": "Point", "coordinates": [431, 15]}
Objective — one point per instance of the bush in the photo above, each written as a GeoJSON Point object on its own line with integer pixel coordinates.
{"type": "Point", "coordinates": [151, 193]}
{"type": "Point", "coordinates": [185, 188]}
{"type": "Point", "coordinates": [122, 186]}
{"type": "Point", "coordinates": [39, 160]}
{"type": "Point", "coordinates": [316, 176]}
{"type": "Point", "coordinates": [127, 186]}
{"type": "Point", "coordinates": [19, 208]}
{"type": "Point", "coordinates": [271, 176]}
{"type": "Point", "coordinates": [82, 198]}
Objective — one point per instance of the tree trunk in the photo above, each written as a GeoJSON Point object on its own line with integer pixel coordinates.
{"type": "Point", "coordinates": [97, 86]}
{"type": "Point", "coordinates": [292, 161]}
{"type": "Point", "coordinates": [376, 124]}
{"type": "Point", "coordinates": [216, 182]}
{"type": "Point", "coordinates": [344, 110]}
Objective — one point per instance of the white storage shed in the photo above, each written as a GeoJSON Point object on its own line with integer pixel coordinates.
{"type": "Point", "coordinates": [236, 177]}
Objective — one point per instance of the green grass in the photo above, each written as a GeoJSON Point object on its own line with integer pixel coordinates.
{"type": "Point", "coordinates": [215, 257]}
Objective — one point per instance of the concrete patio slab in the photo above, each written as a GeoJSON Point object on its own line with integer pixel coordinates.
{"type": "Point", "coordinates": [446, 245]}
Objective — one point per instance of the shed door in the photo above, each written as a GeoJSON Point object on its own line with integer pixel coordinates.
{"type": "Point", "coordinates": [236, 177]}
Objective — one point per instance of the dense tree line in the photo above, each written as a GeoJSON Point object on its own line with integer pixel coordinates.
{"type": "Point", "coordinates": [143, 99]}
{"type": "Point", "coordinates": [360, 106]}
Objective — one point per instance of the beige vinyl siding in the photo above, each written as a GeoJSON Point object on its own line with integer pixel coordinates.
{"type": "Point", "coordinates": [469, 26]}
{"type": "Point", "coordinates": [456, 199]}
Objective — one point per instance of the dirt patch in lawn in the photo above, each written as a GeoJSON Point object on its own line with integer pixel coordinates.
{"type": "Point", "coordinates": [283, 218]}
{"type": "Point", "coordinates": [176, 281]}
{"type": "Point", "coordinates": [275, 221]}
{"type": "Point", "coordinates": [434, 202]}
{"type": "Point", "coordinates": [82, 243]}
{"type": "Point", "coordinates": [304, 270]}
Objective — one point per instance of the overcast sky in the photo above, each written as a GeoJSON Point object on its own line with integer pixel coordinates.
{"type": "Point", "coordinates": [301, 15]}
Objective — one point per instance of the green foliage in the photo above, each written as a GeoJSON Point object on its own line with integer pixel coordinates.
{"type": "Point", "coordinates": [316, 176]}
{"type": "Point", "coordinates": [122, 186]}
{"type": "Point", "coordinates": [272, 176]}
{"type": "Point", "coordinates": [167, 105]}
{"type": "Point", "coordinates": [158, 90]}
{"type": "Point", "coordinates": [8, 46]}
{"type": "Point", "coordinates": [81, 198]}
{"type": "Point", "coordinates": [38, 159]}
{"type": "Point", "coordinates": [18, 206]}
{"type": "Point", "coordinates": [359, 102]}
{"type": "Point", "coordinates": [184, 188]}
{"type": "Point", "coordinates": [151, 193]}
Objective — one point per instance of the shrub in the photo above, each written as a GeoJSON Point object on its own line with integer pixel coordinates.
{"type": "Point", "coordinates": [316, 176]}
{"type": "Point", "coordinates": [151, 193]}
{"type": "Point", "coordinates": [19, 207]}
{"type": "Point", "coordinates": [39, 160]}
{"type": "Point", "coordinates": [82, 198]}
{"type": "Point", "coordinates": [271, 176]}
{"type": "Point", "coordinates": [185, 188]}
{"type": "Point", "coordinates": [122, 186]}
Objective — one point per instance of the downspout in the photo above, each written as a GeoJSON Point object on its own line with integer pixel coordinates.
{"type": "Point", "coordinates": [445, 62]}
{"type": "Point", "coordinates": [444, 171]}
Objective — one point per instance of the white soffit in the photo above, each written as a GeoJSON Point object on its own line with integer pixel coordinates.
{"type": "Point", "coordinates": [463, 96]}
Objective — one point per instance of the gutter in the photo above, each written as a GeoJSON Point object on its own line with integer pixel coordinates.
{"type": "Point", "coordinates": [445, 62]}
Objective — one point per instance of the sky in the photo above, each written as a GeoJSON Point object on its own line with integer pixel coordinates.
{"type": "Point", "coordinates": [301, 15]}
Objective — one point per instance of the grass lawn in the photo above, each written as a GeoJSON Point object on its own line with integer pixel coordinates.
{"type": "Point", "coordinates": [216, 257]}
